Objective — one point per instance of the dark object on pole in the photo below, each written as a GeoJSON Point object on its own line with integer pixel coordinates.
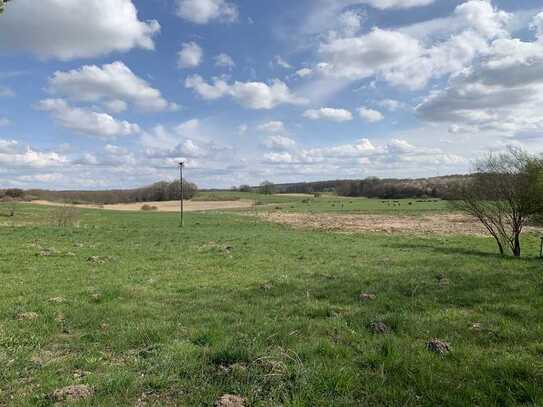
{"type": "Point", "coordinates": [181, 165]}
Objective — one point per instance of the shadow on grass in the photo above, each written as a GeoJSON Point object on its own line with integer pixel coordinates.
{"type": "Point", "coordinates": [460, 251]}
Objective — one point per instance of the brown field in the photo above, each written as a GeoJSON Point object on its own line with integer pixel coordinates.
{"type": "Point", "coordinates": [444, 224]}
{"type": "Point", "coordinates": [170, 206]}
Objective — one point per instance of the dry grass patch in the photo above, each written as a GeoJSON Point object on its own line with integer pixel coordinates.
{"type": "Point", "coordinates": [443, 224]}
{"type": "Point", "coordinates": [168, 206]}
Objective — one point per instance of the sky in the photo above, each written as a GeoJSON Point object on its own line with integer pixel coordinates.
{"type": "Point", "coordinates": [102, 94]}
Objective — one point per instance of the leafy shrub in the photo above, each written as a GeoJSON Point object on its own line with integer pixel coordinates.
{"type": "Point", "coordinates": [267, 188]}
{"type": "Point", "coordinates": [65, 216]}
{"type": "Point", "coordinates": [149, 208]}
{"type": "Point", "coordinates": [11, 205]}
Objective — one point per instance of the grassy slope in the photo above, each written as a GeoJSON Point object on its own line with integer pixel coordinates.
{"type": "Point", "coordinates": [173, 306]}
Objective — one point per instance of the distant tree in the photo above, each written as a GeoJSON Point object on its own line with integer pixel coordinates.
{"type": "Point", "coordinates": [174, 190]}
{"type": "Point", "coordinates": [267, 188]}
{"type": "Point", "coordinates": [245, 188]}
{"type": "Point", "coordinates": [505, 193]}
{"type": "Point", "coordinates": [15, 193]}
{"type": "Point", "coordinates": [160, 191]}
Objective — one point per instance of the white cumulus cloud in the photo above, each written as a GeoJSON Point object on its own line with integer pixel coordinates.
{"type": "Point", "coordinates": [504, 92]}
{"type": "Point", "coordinates": [204, 11]}
{"type": "Point", "coordinates": [86, 121]}
{"type": "Point", "coordinates": [328, 113]}
{"type": "Point", "coordinates": [224, 61]}
{"type": "Point", "coordinates": [279, 143]}
{"type": "Point", "coordinates": [114, 84]}
{"type": "Point", "coordinates": [370, 115]}
{"type": "Point", "coordinates": [190, 56]}
{"type": "Point", "coordinates": [412, 56]}
{"type": "Point", "coordinates": [69, 29]}
{"type": "Point", "coordinates": [272, 127]}
{"type": "Point", "coordinates": [13, 155]}
{"type": "Point", "coordinates": [252, 95]}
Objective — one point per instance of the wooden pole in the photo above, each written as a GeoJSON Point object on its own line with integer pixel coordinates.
{"type": "Point", "coordinates": [182, 194]}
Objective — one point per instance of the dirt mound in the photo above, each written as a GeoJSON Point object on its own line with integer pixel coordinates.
{"type": "Point", "coordinates": [73, 394]}
{"type": "Point", "coordinates": [229, 400]}
{"type": "Point", "coordinates": [27, 316]}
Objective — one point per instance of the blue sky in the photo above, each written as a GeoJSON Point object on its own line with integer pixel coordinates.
{"type": "Point", "coordinates": [113, 93]}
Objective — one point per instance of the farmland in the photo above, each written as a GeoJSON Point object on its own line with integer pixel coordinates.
{"type": "Point", "coordinates": [142, 312]}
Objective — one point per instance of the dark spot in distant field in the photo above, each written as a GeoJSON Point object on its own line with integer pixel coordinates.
{"type": "Point", "coordinates": [228, 357]}
{"type": "Point", "coordinates": [379, 328]}
{"type": "Point", "coordinates": [202, 340]}
{"type": "Point", "coordinates": [367, 297]}
{"type": "Point", "coordinates": [476, 326]}
{"type": "Point", "coordinates": [442, 280]}
{"type": "Point", "coordinates": [266, 286]}
{"type": "Point", "coordinates": [99, 259]}
{"type": "Point", "coordinates": [217, 247]}
{"type": "Point", "coordinates": [80, 374]}
{"type": "Point", "coordinates": [438, 346]}
{"type": "Point", "coordinates": [148, 351]}
{"type": "Point", "coordinates": [47, 252]}
{"type": "Point", "coordinates": [236, 369]}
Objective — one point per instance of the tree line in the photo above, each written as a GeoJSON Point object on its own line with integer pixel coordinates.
{"type": "Point", "coordinates": [372, 187]}
{"type": "Point", "coordinates": [437, 187]}
{"type": "Point", "coordinates": [157, 192]}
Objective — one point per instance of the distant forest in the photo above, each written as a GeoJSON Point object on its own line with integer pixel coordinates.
{"type": "Point", "coordinates": [436, 187]}
{"type": "Point", "coordinates": [160, 191]}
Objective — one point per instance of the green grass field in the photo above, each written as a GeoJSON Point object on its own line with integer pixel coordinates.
{"type": "Point", "coordinates": [138, 309]}
{"type": "Point", "coordinates": [328, 203]}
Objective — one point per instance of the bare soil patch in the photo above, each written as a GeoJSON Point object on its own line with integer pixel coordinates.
{"type": "Point", "coordinates": [73, 394]}
{"type": "Point", "coordinates": [444, 224]}
{"type": "Point", "coordinates": [169, 206]}
{"type": "Point", "coordinates": [229, 400]}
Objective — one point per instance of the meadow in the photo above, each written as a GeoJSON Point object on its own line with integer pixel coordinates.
{"type": "Point", "coordinates": [330, 203]}
{"type": "Point", "coordinates": [143, 312]}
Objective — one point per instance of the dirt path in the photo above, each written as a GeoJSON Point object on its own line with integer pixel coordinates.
{"type": "Point", "coordinates": [446, 224]}
{"type": "Point", "coordinates": [170, 206]}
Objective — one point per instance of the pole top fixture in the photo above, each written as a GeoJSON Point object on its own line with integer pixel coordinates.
{"type": "Point", "coordinates": [181, 164]}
